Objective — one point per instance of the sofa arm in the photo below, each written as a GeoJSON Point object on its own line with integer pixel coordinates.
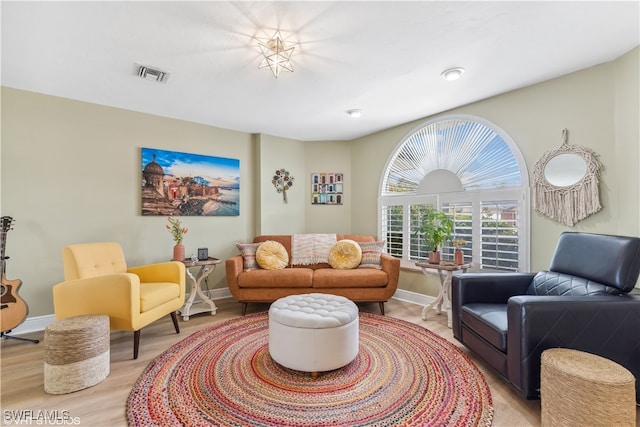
{"type": "Point", "coordinates": [116, 295]}
{"type": "Point", "coordinates": [391, 266]}
{"type": "Point", "coordinates": [606, 325]}
{"type": "Point", "coordinates": [171, 271]}
{"type": "Point", "coordinates": [490, 288]}
{"type": "Point", "coordinates": [234, 266]}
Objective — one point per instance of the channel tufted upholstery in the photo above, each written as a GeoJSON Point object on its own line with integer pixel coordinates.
{"type": "Point", "coordinates": [581, 303]}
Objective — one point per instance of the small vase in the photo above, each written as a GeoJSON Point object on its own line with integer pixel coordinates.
{"type": "Point", "coordinates": [178, 252]}
{"type": "Point", "coordinates": [434, 257]}
{"type": "Point", "coordinates": [459, 257]}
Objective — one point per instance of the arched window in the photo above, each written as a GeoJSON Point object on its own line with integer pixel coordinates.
{"type": "Point", "coordinates": [471, 170]}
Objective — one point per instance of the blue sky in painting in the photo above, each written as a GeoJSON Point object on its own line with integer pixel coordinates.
{"type": "Point", "coordinates": [222, 170]}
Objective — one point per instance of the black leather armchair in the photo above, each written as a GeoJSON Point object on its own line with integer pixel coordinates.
{"type": "Point", "coordinates": [582, 302]}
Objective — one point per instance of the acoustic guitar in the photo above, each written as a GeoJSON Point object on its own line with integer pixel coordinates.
{"type": "Point", "coordinates": [13, 309]}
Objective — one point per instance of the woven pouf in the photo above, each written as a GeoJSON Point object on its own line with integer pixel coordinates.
{"type": "Point", "coordinates": [313, 332]}
{"type": "Point", "coordinates": [582, 389]}
{"type": "Point", "coordinates": [76, 353]}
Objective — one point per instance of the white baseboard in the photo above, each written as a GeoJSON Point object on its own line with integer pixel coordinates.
{"type": "Point", "coordinates": [413, 297]}
{"type": "Point", "coordinates": [39, 323]}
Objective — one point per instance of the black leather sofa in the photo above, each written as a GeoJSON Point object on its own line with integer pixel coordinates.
{"type": "Point", "coordinates": [583, 302]}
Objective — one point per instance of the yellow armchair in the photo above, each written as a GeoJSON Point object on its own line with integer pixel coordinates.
{"type": "Point", "coordinates": [97, 281]}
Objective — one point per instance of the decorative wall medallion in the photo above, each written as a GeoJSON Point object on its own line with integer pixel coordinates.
{"type": "Point", "coordinates": [283, 181]}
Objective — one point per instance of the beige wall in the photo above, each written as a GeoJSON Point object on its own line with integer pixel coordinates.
{"type": "Point", "coordinates": [334, 156]}
{"type": "Point", "coordinates": [70, 172]}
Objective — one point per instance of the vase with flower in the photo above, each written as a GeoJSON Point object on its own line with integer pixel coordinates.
{"type": "Point", "coordinates": [458, 255]}
{"type": "Point", "coordinates": [177, 232]}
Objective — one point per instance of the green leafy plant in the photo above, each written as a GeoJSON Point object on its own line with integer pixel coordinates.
{"type": "Point", "coordinates": [176, 229]}
{"type": "Point", "coordinates": [435, 227]}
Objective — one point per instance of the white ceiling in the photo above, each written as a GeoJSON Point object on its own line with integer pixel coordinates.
{"type": "Point", "coordinates": [382, 57]}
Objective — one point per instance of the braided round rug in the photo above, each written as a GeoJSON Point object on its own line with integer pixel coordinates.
{"type": "Point", "coordinates": [404, 375]}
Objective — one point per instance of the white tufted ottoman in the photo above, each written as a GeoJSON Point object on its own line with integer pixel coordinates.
{"type": "Point", "coordinates": [313, 332]}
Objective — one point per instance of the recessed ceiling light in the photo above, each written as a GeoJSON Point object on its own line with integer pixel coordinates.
{"type": "Point", "coordinates": [452, 73]}
{"type": "Point", "coordinates": [354, 113]}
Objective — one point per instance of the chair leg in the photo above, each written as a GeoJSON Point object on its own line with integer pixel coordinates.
{"type": "Point", "coordinates": [136, 343]}
{"type": "Point", "coordinates": [244, 308]}
{"type": "Point", "coordinates": [174, 317]}
{"type": "Point", "coordinates": [381, 304]}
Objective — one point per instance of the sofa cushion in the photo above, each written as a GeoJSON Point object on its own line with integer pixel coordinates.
{"type": "Point", "coordinates": [355, 278]}
{"type": "Point", "coordinates": [248, 252]}
{"type": "Point", "coordinates": [285, 278]}
{"type": "Point", "coordinates": [272, 255]}
{"type": "Point", "coordinates": [487, 320]}
{"type": "Point", "coordinates": [153, 295]}
{"type": "Point", "coordinates": [371, 253]}
{"type": "Point", "coordinates": [345, 254]}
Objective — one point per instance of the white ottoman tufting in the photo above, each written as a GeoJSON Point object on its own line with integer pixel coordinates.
{"type": "Point", "coordinates": [313, 332]}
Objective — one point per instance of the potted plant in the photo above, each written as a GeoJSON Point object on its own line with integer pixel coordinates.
{"type": "Point", "coordinates": [435, 227]}
{"type": "Point", "coordinates": [458, 257]}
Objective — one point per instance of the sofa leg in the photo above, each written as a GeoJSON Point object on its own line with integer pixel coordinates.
{"type": "Point", "coordinates": [244, 308]}
{"type": "Point", "coordinates": [381, 304]}
{"type": "Point", "coordinates": [136, 343]}
{"type": "Point", "coordinates": [174, 317]}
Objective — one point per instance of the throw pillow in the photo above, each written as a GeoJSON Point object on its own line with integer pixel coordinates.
{"type": "Point", "coordinates": [345, 254]}
{"type": "Point", "coordinates": [248, 252]}
{"type": "Point", "coordinates": [371, 252]}
{"type": "Point", "coordinates": [272, 255]}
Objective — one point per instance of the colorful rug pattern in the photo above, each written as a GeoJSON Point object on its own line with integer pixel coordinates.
{"type": "Point", "coordinates": [404, 375]}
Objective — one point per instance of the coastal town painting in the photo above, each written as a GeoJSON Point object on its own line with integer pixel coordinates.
{"type": "Point", "coordinates": [326, 188]}
{"type": "Point", "coordinates": [183, 184]}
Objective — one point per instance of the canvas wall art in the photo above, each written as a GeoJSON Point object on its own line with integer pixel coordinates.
{"type": "Point", "coordinates": [183, 184]}
{"type": "Point", "coordinates": [326, 188]}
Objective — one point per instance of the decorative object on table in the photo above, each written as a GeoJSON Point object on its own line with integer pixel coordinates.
{"type": "Point", "coordinates": [183, 184]}
{"type": "Point", "coordinates": [177, 232]}
{"type": "Point", "coordinates": [203, 253]}
{"type": "Point", "coordinates": [458, 254]}
{"type": "Point", "coordinates": [327, 188]}
{"type": "Point", "coordinates": [566, 183]}
{"type": "Point", "coordinates": [282, 181]}
{"type": "Point", "coordinates": [438, 384]}
{"type": "Point", "coordinates": [434, 227]}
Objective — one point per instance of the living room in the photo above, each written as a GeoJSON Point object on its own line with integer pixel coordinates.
{"type": "Point", "coordinates": [71, 173]}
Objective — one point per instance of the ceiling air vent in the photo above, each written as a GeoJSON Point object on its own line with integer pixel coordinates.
{"type": "Point", "coordinates": [153, 74]}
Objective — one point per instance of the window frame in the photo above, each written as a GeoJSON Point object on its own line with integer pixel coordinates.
{"type": "Point", "coordinates": [518, 194]}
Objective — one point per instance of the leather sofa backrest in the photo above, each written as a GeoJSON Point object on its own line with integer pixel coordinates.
{"type": "Point", "coordinates": [605, 259]}
{"type": "Point", "coordinates": [552, 283]}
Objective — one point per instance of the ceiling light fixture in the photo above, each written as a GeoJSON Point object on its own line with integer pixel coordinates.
{"type": "Point", "coordinates": [452, 73]}
{"type": "Point", "coordinates": [354, 113]}
{"type": "Point", "coordinates": [277, 56]}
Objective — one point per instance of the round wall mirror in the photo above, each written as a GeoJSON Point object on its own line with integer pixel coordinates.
{"type": "Point", "coordinates": [565, 170]}
{"type": "Point", "coordinates": [566, 183]}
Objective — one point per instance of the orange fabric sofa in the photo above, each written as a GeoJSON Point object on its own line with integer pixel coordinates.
{"type": "Point", "coordinates": [358, 284]}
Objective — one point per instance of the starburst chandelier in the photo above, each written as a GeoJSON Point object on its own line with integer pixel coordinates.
{"type": "Point", "coordinates": [277, 56]}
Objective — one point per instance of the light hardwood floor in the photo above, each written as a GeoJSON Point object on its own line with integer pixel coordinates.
{"type": "Point", "coordinates": [22, 378]}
